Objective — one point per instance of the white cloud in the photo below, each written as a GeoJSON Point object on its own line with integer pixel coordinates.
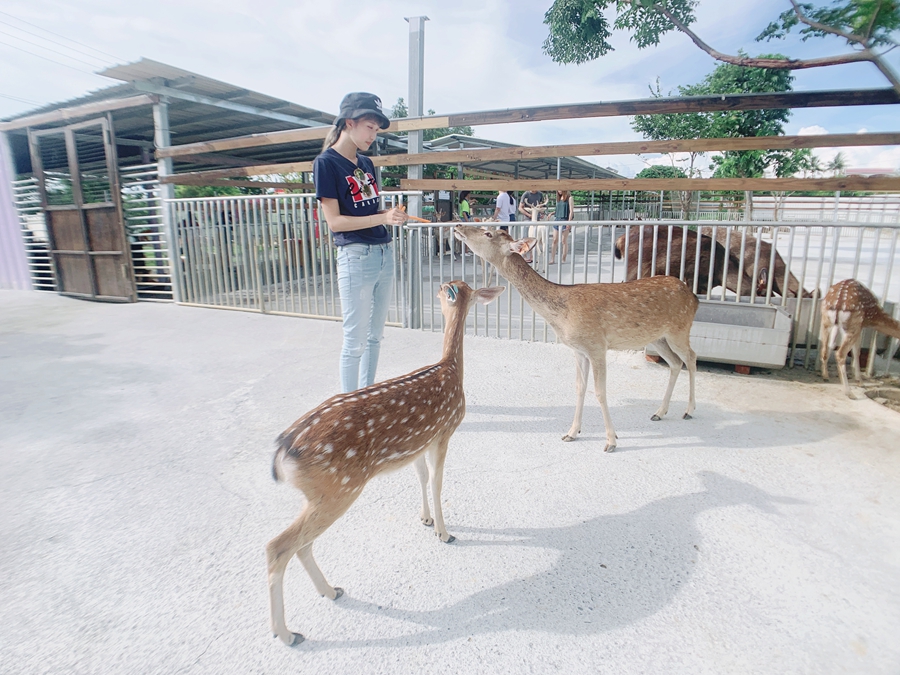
{"type": "Point", "coordinates": [814, 130]}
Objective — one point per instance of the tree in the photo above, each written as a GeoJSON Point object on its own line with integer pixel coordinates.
{"type": "Point", "coordinates": [663, 171]}
{"type": "Point", "coordinates": [579, 31]}
{"type": "Point", "coordinates": [838, 165]}
{"type": "Point", "coordinates": [730, 79]}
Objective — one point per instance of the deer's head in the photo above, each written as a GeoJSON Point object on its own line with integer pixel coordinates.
{"type": "Point", "coordinates": [457, 297]}
{"type": "Point", "coordinates": [495, 246]}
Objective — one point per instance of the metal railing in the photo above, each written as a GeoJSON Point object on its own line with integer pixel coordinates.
{"type": "Point", "coordinates": [142, 208]}
{"type": "Point", "coordinates": [272, 254]}
{"type": "Point", "coordinates": [34, 234]}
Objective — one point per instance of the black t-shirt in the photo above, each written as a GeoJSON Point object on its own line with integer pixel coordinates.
{"type": "Point", "coordinates": [355, 188]}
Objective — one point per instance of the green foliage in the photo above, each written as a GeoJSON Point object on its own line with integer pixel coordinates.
{"type": "Point", "coordinates": [730, 79]}
{"type": "Point", "coordinates": [579, 30]}
{"type": "Point", "coordinates": [870, 21]}
{"type": "Point", "coordinates": [194, 191]}
{"type": "Point", "coordinates": [661, 171]}
{"type": "Point", "coordinates": [400, 109]}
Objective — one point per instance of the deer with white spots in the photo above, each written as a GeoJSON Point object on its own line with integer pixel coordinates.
{"type": "Point", "coordinates": [847, 308]}
{"type": "Point", "coordinates": [592, 318]}
{"type": "Point", "coordinates": [330, 453]}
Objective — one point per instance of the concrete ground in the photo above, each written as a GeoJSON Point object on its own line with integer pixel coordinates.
{"type": "Point", "coordinates": [136, 500]}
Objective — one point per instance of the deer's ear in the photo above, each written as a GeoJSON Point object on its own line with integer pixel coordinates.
{"type": "Point", "coordinates": [486, 295]}
{"type": "Point", "coordinates": [763, 278]}
{"type": "Point", "coordinates": [522, 246]}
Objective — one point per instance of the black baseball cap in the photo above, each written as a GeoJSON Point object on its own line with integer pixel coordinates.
{"type": "Point", "coordinates": [359, 103]}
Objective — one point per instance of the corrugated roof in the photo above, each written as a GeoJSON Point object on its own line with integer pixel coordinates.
{"type": "Point", "coordinates": [570, 167]}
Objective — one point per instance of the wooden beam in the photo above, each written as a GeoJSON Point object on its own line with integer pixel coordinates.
{"type": "Point", "coordinates": [203, 182]}
{"type": "Point", "coordinates": [78, 112]}
{"type": "Point", "coordinates": [868, 184]}
{"type": "Point", "coordinates": [586, 150]}
{"type": "Point", "coordinates": [653, 106]}
{"type": "Point", "coordinates": [682, 104]}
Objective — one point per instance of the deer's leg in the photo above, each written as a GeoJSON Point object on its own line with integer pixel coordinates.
{"type": "Point", "coordinates": [422, 472]}
{"type": "Point", "coordinates": [681, 346]}
{"type": "Point", "coordinates": [824, 346]}
{"type": "Point", "coordinates": [841, 358]}
{"type": "Point", "coordinates": [316, 517]}
{"type": "Point", "coordinates": [437, 452]}
{"type": "Point", "coordinates": [582, 368]}
{"type": "Point", "coordinates": [598, 362]}
{"type": "Point", "coordinates": [675, 364]}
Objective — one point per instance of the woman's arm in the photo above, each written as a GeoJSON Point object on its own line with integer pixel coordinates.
{"type": "Point", "coordinates": [340, 223]}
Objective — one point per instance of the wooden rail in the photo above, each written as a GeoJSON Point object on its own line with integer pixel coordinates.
{"type": "Point", "coordinates": [576, 150]}
{"type": "Point", "coordinates": [865, 184]}
{"type": "Point", "coordinates": [654, 106]}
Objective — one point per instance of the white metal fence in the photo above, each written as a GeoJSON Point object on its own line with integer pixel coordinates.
{"type": "Point", "coordinates": [273, 254]}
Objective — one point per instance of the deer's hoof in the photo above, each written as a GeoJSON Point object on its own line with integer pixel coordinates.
{"type": "Point", "coordinates": [610, 447]}
{"type": "Point", "coordinates": [338, 592]}
{"type": "Point", "coordinates": [291, 639]}
{"type": "Point", "coordinates": [687, 416]}
{"type": "Point", "coordinates": [449, 540]}
{"type": "Point", "coordinates": [428, 522]}
{"type": "Point", "coordinates": [567, 438]}
{"type": "Point", "coordinates": [656, 418]}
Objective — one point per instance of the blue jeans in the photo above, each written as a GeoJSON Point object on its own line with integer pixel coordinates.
{"type": "Point", "coordinates": [365, 281]}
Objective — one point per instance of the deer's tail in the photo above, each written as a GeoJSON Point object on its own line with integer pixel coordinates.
{"type": "Point", "coordinates": [284, 444]}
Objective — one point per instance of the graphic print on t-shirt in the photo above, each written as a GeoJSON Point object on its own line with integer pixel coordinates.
{"type": "Point", "coordinates": [362, 186]}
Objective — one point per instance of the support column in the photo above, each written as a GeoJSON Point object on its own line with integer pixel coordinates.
{"type": "Point", "coordinates": [415, 145]}
{"type": "Point", "coordinates": [162, 139]}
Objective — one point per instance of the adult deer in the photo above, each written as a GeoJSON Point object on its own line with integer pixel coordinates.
{"type": "Point", "coordinates": [331, 452]}
{"type": "Point", "coordinates": [592, 318]}
{"type": "Point", "coordinates": [766, 254]}
{"type": "Point", "coordinates": [709, 270]}
{"type": "Point", "coordinates": [847, 308]}
{"type": "Point", "coordinates": [539, 232]}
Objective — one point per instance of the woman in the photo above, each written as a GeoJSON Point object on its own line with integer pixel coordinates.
{"type": "Point", "coordinates": [348, 193]}
{"type": "Point", "coordinates": [565, 212]}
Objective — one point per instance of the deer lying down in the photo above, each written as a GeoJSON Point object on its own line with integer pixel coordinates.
{"type": "Point", "coordinates": [592, 318]}
{"type": "Point", "coordinates": [333, 451]}
{"type": "Point", "coordinates": [709, 248]}
{"type": "Point", "coordinates": [765, 259]}
{"type": "Point", "coordinates": [847, 308]}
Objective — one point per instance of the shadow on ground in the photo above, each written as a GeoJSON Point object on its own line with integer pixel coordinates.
{"type": "Point", "coordinates": [610, 572]}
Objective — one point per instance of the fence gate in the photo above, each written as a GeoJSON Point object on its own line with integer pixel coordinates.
{"type": "Point", "coordinates": [78, 181]}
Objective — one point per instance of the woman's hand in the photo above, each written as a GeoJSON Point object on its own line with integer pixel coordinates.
{"type": "Point", "coordinates": [395, 216]}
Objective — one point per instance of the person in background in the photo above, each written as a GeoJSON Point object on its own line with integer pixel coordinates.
{"type": "Point", "coordinates": [529, 199]}
{"type": "Point", "coordinates": [465, 210]}
{"type": "Point", "coordinates": [565, 213]}
{"type": "Point", "coordinates": [347, 190]}
{"type": "Point", "coordinates": [505, 209]}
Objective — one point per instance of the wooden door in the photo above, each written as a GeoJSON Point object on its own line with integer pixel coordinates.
{"type": "Point", "coordinates": [77, 171]}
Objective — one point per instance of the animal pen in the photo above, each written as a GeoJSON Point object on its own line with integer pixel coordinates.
{"type": "Point", "coordinates": [274, 253]}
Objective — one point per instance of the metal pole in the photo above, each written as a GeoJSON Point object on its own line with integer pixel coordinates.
{"type": "Point", "coordinates": [415, 145]}
{"type": "Point", "coordinates": [163, 139]}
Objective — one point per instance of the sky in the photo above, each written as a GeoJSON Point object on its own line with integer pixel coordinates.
{"type": "Point", "coordinates": [479, 55]}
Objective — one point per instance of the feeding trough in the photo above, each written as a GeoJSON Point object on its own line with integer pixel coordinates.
{"type": "Point", "coordinates": [749, 335]}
